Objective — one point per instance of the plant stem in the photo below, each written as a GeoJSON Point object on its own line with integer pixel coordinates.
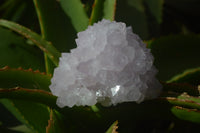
{"type": "Point", "coordinates": [43, 33]}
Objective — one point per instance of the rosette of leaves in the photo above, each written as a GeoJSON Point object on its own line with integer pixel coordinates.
{"type": "Point", "coordinates": [29, 53]}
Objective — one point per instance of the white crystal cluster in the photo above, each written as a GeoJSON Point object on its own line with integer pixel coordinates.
{"type": "Point", "coordinates": [110, 65]}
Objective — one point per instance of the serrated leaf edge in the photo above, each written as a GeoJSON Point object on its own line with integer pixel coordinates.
{"type": "Point", "coordinates": [22, 116]}
{"type": "Point", "coordinates": [7, 68]}
{"type": "Point", "coordinates": [50, 122]}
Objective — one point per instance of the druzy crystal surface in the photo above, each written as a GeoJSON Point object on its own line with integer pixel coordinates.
{"type": "Point", "coordinates": [110, 65]}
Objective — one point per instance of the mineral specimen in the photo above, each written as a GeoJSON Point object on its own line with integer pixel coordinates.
{"type": "Point", "coordinates": [110, 65]}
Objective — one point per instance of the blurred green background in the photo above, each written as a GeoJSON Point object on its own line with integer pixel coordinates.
{"type": "Point", "coordinates": [170, 28]}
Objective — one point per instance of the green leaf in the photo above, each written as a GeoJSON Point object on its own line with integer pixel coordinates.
{"type": "Point", "coordinates": [44, 45]}
{"type": "Point", "coordinates": [19, 11]}
{"type": "Point", "coordinates": [109, 9]}
{"type": "Point", "coordinates": [175, 53]}
{"type": "Point", "coordinates": [113, 128]}
{"type": "Point", "coordinates": [6, 118]}
{"type": "Point", "coordinates": [33, 115]}
{"type": "Point", "coordinates": [180, 88]}
{"type": "Point", "coordinates": [97, 13]}
{"type": "Point", "coordinates": [185, 107]}
{"type": "Point", "coordinates": [183, 101]}
{"type": "Point", "coordinates": [84, 117]}
{"type": "Point", "coordinates": [8, 130]}
{"type": "Point", "coordinates": [21, 129]}
{"type": "Point", "coordinates": [10, 78]}
{"type": "Point", "coordinates": [15, 52]}
{"type": "Point", "coordinates": [12, 9]}
{"type": "Point", "coordinates": [73, 116]}
{"type": "Point", "coordinates": [144, 16]}
{"type": "Point", "coordinates": [50, 28]}
{"type": "Point", "coordinates": [134, 17]}
{"type": "Point", "coordinates": [31, 95]}
{"type": "Point", "coordinates": [56, 123]}
{"type": "Point", "coordinates": [192, 99]}
{"type": "Point", "coordinates": [156, 8]}
{"type": "Point", "coordinates": [192, 115]}
{"type": "Point", "coordinates": [191, 76]}
{"type": "Point", "coordinates": [128, 113]}
{"type": "Point", "coordinates": [137, 4]}
{"type": "Point", "coordinates": [75, 10]}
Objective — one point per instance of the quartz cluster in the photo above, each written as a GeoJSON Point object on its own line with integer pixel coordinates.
{"type": "Point", "coordinates": [110, 65]}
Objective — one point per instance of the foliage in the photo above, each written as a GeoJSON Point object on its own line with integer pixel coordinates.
{"type": "Point", "coordinates": [34, 33]}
